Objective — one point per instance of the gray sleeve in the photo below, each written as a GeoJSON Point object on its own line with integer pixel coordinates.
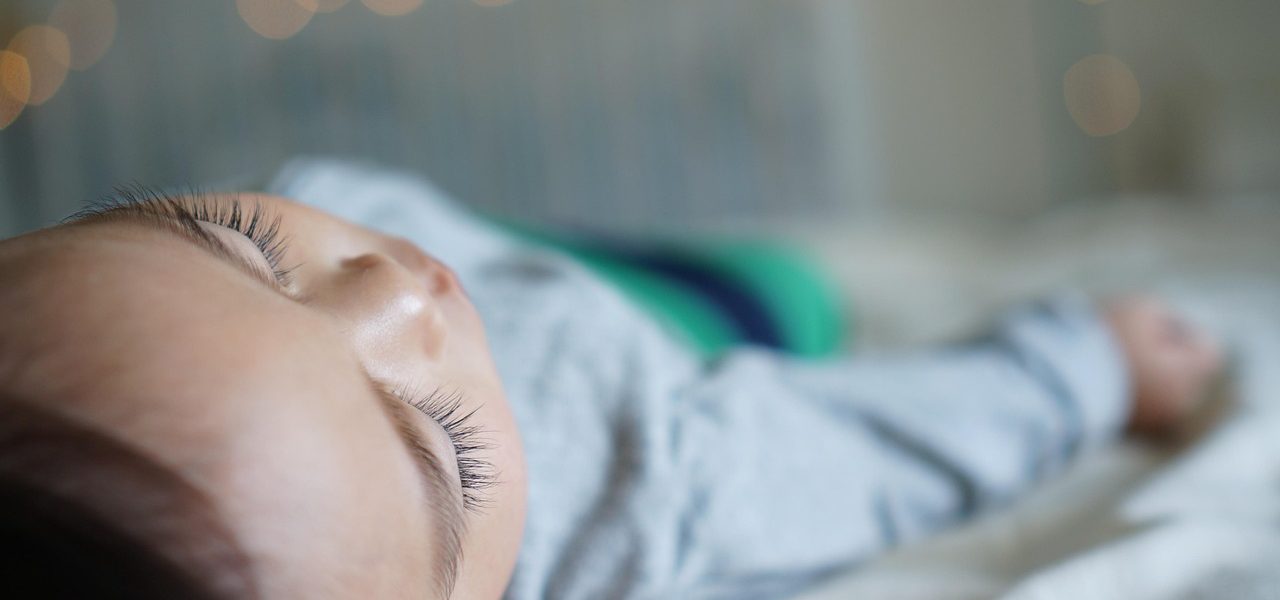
{"type": "Point", "coordinates": [809, 466]}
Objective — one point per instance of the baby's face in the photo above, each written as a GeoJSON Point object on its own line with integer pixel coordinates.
{"type": "Point", "coordinates": [287, 398]}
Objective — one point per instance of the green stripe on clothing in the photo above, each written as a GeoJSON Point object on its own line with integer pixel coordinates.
{"type": "Point", "coordinates": [799, 300]}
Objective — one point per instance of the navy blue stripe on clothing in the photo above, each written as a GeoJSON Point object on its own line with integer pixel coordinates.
{"type": "Point", "coordinates": [746, 311]}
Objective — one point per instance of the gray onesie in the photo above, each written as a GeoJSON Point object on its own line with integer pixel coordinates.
{"type": "Point", "coordinates": [653, 474]}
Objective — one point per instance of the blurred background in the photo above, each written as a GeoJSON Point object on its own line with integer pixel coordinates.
{"type": "Point", "coordinates": [915, 122]}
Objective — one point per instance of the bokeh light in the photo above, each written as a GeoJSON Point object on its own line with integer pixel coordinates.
{"type": "Point", "coordinates": [15, 86]}
{"type": "Point", "coordinates": [1102, 95]}
{"type": "Point", "coordinates": [48, 53]}
{"type": "Point", "coordinates": [90, 26]}
{"type": "Point", "coordinates": [277, 19]}
{"type": "Point", "coordinates": [328, 6]}
{"type": "Point", "coordinates": [393, 8]}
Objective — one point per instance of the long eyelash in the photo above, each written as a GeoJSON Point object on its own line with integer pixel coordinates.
{"type": "Point", "coordinates": [260, 227]}
{"type": "Point", "coordinates": [257, 224]}
{"type": "Point", "coordinates": [476, 474]}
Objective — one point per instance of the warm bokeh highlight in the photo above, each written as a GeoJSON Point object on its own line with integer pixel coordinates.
{"type": "Point", "coordinates": [393, 8]}
{"type": "Point", "coordinates": [48, 53]}
{"type": "Point", "coordinates": [277, 19]}
{"type": "Point", "coordinates": [15, 86]}
{"type": "Point", "coordinates": [1102, 95]}
{"type": "Point", "coordinates": [90, 27]}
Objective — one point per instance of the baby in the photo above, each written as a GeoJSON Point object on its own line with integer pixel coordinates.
{"type": "Point", "coordinates": [242, 396]}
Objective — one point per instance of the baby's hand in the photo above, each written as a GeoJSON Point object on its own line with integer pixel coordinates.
{"type": "Point", "coordinates": [1171, 364]}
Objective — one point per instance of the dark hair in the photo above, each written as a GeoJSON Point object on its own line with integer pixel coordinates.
{"type": "Point", "coordinates": [83, 515]}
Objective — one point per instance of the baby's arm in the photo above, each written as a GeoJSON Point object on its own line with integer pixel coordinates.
{"type": "Point", "coordinates": [812, 465]}
{"type": "Point", "coordinates": [986, 418]}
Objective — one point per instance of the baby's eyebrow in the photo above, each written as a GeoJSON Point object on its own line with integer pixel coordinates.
{"type": "Point", "coordinates": [183, 228]}
{"type": "Point", "coordinates": [449, 509]}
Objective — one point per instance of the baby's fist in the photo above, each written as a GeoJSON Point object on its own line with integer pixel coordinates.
{"type": "Point", "coordinates": [1171, 364]}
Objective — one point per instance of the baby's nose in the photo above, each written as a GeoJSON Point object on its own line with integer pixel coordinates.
{"type": "Point", "coordinates": [390, 308]}
{"type": "Point", "coordinates": [437, 277]}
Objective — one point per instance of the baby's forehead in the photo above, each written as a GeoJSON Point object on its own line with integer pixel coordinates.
{"type": "Point", "coordinates": [78, 282]}
{"type": "Point", "coordinates": [71, 253]}
{"type": "Point", "coordinates": [118, 305]}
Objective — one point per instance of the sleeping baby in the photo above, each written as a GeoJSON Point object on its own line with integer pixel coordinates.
{"type": "Point", "coordinates": [367, 392]}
